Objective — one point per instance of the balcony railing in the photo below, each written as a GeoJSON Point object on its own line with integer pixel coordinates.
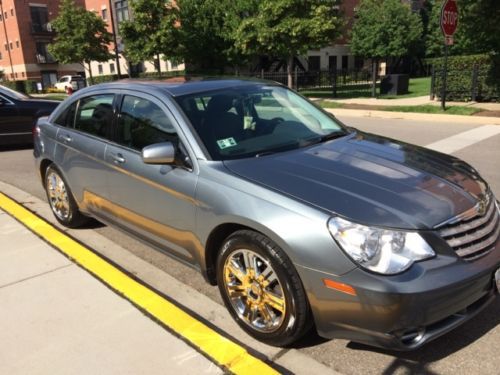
{"type": "Point", "coordinates": [38, 28]}
{"type": "Point", "coordinates": [45, 59]}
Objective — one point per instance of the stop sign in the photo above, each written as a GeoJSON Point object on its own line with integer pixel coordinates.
{"type": "Point", "coordinates": [449, 17]}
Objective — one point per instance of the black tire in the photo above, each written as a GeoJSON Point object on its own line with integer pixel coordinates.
{"type": "Point", "coordinates": [296, 319]}
{"type": "Point", "coordinates": [72, 217]}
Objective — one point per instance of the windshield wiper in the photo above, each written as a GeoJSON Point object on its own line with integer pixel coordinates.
{"type": "Point", "coordinates": [330, 136]}
{"type": "Point", "coordinates": [264, 153]}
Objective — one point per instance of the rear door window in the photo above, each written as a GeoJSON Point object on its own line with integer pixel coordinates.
{"type": "Point", "coordinates": [95, 115]}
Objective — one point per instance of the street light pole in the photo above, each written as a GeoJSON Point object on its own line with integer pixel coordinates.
{"type": "Point", "coordinates": [113, 30]}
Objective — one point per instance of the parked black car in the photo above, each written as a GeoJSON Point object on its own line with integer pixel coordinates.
{"type": "Point", "coordinates": [18, 114]}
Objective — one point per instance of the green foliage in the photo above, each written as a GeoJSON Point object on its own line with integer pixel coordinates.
{"type": "Point", "coordinates": [477, 30]}
{"type": "Point", "coordinates": [385, 29]}
{"type": "Point", "coordinates": [199, 33]}
{"type": "Point", "coordinates": [153, 30]}
{"type": "Point", "coordinates": [26, 86]}
{"type": "Point", "coordinates": [208, 30]}
{"type": "Point", "coordinates": [108, 78]}
{"type": "Point", "coordinates": [459, 79]}
{"type": "Point", "coordinates": [81, 35]}
{"type": "Point", "coordinates": [287, 28]}
{"type": "Point", "coordinates": [154, 75]}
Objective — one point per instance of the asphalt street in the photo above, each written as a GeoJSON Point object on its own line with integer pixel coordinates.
{"type": "Point", "coordinates": [471, 349]}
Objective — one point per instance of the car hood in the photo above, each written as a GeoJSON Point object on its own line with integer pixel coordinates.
{"type": "Point", "coordinates": [370, 179]}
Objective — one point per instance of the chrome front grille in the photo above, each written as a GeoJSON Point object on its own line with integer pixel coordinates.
{"type": "Point", "coordinates": [475, 237]}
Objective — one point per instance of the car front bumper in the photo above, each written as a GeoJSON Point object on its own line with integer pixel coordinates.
{"type": "Point", "coordinates": [405, 311]}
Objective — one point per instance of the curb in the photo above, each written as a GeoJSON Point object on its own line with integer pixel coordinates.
{"type": "Point", "coordinates": [477, 120]}
{"type": "Point", "coordinates": [207, 309]}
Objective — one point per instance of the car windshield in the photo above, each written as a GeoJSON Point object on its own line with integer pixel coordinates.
{"type": "Point", "coordinates": [12, 94]}
{"type": "Point", "coordinates": [256, 120]}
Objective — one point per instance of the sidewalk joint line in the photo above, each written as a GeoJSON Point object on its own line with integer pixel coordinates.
{"type": "Point", "coordinates": [35, 276]}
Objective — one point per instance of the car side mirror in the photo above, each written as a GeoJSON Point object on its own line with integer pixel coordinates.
{"type": "Point", "coordinates": [159, 153]}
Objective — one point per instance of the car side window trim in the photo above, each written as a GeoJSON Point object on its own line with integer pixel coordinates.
{"type": "Point", "coordinates": [7, 100]}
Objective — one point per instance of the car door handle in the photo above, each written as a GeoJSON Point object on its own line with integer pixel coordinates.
{"type": "Point", "coordinates": [65, 138]}
{"type": "Point", "coordinates": [118, 158]}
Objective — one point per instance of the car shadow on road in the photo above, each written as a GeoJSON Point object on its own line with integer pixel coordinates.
{"type": "Point", "coordinates": [15, 147]}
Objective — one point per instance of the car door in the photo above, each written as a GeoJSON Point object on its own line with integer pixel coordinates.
{"type": "Point", "coordinates": [85, 129]}
{"type": "Point", "coordinates": [156, 202]}
{"type": "Point", "coordinates": [13, 128]}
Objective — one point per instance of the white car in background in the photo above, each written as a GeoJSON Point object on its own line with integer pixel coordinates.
{"type": "Point", "coordinates": [65, 82]}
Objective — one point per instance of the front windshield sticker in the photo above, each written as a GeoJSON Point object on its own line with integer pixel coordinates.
{"type": "Point", "coordinates": [225, 143]}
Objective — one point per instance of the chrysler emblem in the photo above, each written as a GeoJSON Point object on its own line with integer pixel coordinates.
{"type": "Point", "coordinates": [481, 206]}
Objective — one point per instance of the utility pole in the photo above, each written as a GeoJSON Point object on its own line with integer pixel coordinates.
{"type": "Point", "coordinates": [115, 41]}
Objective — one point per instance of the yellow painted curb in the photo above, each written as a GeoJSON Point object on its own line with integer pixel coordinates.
{"type": "Point", "coordinates": [220, 349]}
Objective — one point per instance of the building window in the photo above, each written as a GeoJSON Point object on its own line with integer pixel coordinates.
{"type": "Point", "coordinates": [6, 47]}
{"type": "Point", "coordinates": [104, 14]}
{"type": "Point", "coordinates": [17, 43]}
{"type": "Point", "coordinates": [99, 69]}
{"type": "Point", "coordinates": [112, 68]}
{"type": "Point", "coordinates": [1, 17]}
{"type": "Point", "coordinates": [332, 63]}
{"type": "Point", "coordinates": [11, 45]}
{"type": "Point", "coordinates": [12, 12]}
{"type": "Point", "coordinates": [314, 63]}
{"type": "Point", "coordinates": [5, 16]}
{"type": "Point", "coordinates": [39, 19]}
{"type": "Point", "coordinates": [42, 54]}
{"type": "Point", "coordinates": [0, 55]}
{"type": "Point", "coordinates": [345, 62]}
{"type": "Point", "coordinates": [121, 10]}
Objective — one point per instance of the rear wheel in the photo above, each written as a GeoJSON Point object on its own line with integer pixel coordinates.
{"type": "Point", "coordinates": [261, 289]}
{"type": "Point", "coordinates": [61, 200]}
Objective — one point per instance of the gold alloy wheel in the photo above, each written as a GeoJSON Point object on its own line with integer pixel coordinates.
{"type": "Point", "coordinates": [255, 291]}
{"type": "Point", "coordinates": [58, 196]}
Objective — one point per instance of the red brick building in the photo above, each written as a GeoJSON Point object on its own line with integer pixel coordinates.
{"type": "Point", "coordinates": [25, 33]}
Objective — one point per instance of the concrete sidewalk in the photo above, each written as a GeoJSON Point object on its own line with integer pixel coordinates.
{"type": "Point", "coordinates": [55, 318]}
{"type": "Point", "coordinates": [419, 100]}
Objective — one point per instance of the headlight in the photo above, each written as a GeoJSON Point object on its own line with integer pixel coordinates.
{"type": "Point", "coordinates": [377, 249]}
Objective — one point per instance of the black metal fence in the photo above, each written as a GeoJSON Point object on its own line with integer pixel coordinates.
{"type": "Point", "coordinates": [336, 83]}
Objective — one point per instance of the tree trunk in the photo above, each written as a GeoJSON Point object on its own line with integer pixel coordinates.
{"type": "Point", "coordinates": [159, 64]}
{"type": "Point", "coordinates": [289, 70]}
{"type": "Point", "coordinates": [90, 73]}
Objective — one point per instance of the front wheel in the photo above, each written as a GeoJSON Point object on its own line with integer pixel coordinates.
{"type": "Point", "coordinates": [262, 289]}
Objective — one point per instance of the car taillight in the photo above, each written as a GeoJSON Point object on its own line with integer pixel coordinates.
{"type": "Point", "coordinates": [35, 131]}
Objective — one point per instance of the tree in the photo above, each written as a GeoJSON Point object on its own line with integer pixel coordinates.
{"type": "Point", "coordinates": [197, 32]}
{"type": "Point", "coordinates": [208, 32]}
{"type": "Point", "coordinates": [152, 32]}
{"type": "Point", "coordinates": [82, 36]}
{"type": "Point", "coordinates": [477, 30]}
{"type": "Point", "coordinates": [288, 28]}
{"type": "Point", "coordinates": [385, 29]}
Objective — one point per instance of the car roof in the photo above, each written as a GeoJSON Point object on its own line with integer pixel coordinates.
{"type": "Point", "coordinates": [182, 85]}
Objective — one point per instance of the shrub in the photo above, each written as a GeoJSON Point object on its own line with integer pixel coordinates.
{"type": "Point", "coordinates": [27, 86]}
{"type": "Point", "coordinates": [107, 78]}
{"type": "Point", "coordinates": [467, 73]}
{"type": "Point", "coordinates": [154, 75]}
